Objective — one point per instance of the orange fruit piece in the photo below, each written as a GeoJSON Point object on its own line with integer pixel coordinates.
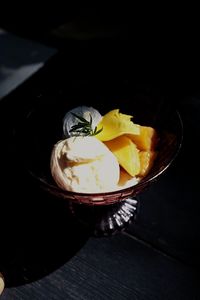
{"type": "Point", "coordinates": [126, 153]}
{"type": "Point", "coordinates": [147, 138]}
{"type": "Point", "coordinates": [146, 161]}
{"type": "Point", "coordinates": [114, 124]}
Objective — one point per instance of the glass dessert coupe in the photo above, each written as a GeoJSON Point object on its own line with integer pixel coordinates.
{"type": "Point", "coordinates": [104, 213]}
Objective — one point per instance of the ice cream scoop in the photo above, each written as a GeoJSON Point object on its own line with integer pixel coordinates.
{"type": "Point", "coordinates": [71, 119]}
{"type": "Point", "coordinates": [85, 165]}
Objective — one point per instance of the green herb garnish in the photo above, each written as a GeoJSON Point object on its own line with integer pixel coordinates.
{"type": "Point", "coordinates": [84, 127]}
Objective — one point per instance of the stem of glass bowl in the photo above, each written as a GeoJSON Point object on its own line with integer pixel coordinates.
{"type": "Point", "coordinates": [106, 220]}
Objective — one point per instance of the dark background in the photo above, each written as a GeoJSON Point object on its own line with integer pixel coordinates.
{"type": "Point", "coordinates": [111, 49]}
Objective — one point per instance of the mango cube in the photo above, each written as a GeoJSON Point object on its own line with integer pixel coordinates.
{"type": "Point", "coordinates": [115, 124]}
{"type": "Point", "coordinates": [146, 161]}
{"type": "Point", "coordinates": [126, 153]}
{"type": "Point", "coordinates": [146, 140]}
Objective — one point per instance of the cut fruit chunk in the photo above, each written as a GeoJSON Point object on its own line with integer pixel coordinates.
{"type": "Point", "coordinates": [127, 154]}
{"type": "Point", "coordinates": [146, 161]}
{"type": "Point", "coordinates": [147, 138]}
{"type": "Point", "coordinates": [115, 124]}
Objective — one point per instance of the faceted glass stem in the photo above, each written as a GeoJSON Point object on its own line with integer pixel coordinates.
{"type": "Point", "coordinates": [106, 219]}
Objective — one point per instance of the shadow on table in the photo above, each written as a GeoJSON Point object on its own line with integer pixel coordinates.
{"type": "Point", "coordinates": [38, 236]}
{"type": "Point", "coordinates": [37, 233]}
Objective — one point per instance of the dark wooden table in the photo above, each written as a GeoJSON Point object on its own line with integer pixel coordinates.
{"type": "Point", "coordinates": [46, 254]}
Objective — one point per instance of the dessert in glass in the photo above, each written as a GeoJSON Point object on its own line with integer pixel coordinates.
{"type": "Point", "coordinates": [99, 157]}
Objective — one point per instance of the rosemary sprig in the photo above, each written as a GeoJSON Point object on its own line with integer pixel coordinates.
{"type": "Point", "coordinates": [84, 127]}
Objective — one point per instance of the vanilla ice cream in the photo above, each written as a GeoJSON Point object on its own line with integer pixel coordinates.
{"type": "Point", "coordinates": [85, 165]}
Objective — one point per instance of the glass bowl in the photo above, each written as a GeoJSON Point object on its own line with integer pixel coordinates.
{"type": "Point", "coordinates": [105, 212]}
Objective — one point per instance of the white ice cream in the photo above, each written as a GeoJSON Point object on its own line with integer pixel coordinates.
{"type": "Point", "coordinates": [84, 111]}
{"type": "Point", "coordinates": [85, 165]}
